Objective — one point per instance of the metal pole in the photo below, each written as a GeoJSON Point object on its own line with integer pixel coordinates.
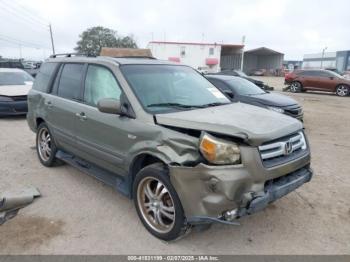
{"type": "Point", "coordinates": [242, 60]}
{"type": "Point", "coordinates": [20, 52]}
{"type": "Point", "coordinates": [323, 50]}
{"type": "Point", "coordinates": [53, 46]}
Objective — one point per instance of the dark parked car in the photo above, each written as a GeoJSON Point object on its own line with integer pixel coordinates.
{"type": "Point", "coordinates": [239, 89]}
{"type": "Point", "coordinates": [11, 64]}
{"type": "Point", "coordinates": [239, 73]}
{"type": "Point", "coordinates": [318, 80]}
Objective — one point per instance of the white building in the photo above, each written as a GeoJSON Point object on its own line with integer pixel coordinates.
{"type": "Point", "coordinates": [319, 60]}
{"type": "Point", "coordinates": [207, 57]}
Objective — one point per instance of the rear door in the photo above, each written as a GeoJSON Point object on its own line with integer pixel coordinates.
{"type": "Point", "coordinates": [326, 81]}
{"type": "Point", "coordinates": [64, 103]}
{"type": "Point", "coordinates": [309, 79]}
{"type": "Point", "coordinates": [103, 139]}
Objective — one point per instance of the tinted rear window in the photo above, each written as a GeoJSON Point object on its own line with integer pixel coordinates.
{"type": "Point", "coordinates": [43, 78]}
{"type": "Point", "coordinates": [70, 81]}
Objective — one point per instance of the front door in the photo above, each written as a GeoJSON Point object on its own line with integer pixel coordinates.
{"type": "Point", "coordinates": [102, 138]}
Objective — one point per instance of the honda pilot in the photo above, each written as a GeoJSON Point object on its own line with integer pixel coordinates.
{"type": "Point", "coordinates": [163, 135]}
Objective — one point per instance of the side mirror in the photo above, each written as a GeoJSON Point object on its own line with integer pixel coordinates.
{"type": "Point", "coordinates": [331, 77]}
{"type": "Point", "coordinates": [109, 106]}
{"type": "Point", "coordinates": [229, 93]}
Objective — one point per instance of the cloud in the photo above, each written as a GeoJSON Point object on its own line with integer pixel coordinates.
{"type": "Point", "coordinates": [292, 27]}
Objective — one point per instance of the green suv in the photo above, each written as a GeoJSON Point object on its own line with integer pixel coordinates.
{"type": "Point", "coordinates": [164, 136]}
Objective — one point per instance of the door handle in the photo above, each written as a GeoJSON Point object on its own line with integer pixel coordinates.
{"type": "Point", "coordinates": [81, 116]}
{"type": "Point", "coordinates": [49, 104]}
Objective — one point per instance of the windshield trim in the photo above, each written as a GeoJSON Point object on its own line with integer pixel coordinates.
{"type": "Point", "coordinates": [171, 109]}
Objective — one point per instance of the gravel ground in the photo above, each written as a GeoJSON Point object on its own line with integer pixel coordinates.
{"type": "Point", "coordinates": [79, 215]}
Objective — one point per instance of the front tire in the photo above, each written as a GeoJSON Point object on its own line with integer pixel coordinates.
{"type": "Point", "coordinates": [157, 203]}
{"type": "Point", "coordinates": [45, 146]}
{"type": "Point", "coordinates": [342, 90]}
{"type": "Point", "coordinates": [296, 87]}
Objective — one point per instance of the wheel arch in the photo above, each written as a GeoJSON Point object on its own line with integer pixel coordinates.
{"type": "Point", "coordinates": [140, 161]}
{"type": "Point", "coordinates": [38, 121]}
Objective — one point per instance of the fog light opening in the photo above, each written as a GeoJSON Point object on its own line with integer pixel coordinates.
{"type": "Point", "coordinates": [231, 215]}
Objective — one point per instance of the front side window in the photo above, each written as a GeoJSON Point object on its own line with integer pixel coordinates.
{"type": "Point", "coordinates": [166, 88]}
{"type": "Point", "coordinates": [100, 83]}
{"type": "Point", "coordinates": [70, 81]}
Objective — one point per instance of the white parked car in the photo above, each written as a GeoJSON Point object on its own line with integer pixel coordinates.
{"type": "Point", "coordinates": [14, 87]}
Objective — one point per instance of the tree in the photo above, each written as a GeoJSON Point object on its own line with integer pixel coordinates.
{"type": "Point", "coordinates": [94, 38]}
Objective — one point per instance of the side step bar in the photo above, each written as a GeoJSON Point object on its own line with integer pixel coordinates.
{"type": "Point", "coordinates": [121, 184]}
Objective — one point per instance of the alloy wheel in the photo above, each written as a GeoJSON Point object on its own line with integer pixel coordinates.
{"type": "Point", "coordinates": [342, 90]}
{"type": "Point", "coordinates": [44, 144]}
{"type": "Point", "coordinates": [156, 204]}
{"type": "Point", "coordinates": [295, 87]}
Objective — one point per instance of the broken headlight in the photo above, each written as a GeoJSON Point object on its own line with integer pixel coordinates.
{"type": "Point", "coordinates": [219, 151]}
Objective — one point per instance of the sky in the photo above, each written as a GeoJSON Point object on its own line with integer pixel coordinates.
{"type": "Point", "coordinates": [293, 27]}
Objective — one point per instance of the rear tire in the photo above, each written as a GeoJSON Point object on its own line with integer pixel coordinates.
{"type": "Point", "coordinates": [342, 90]}
{"type": "Point", "coordinates": [45, 146]}
{"type": "Point", "coordinates": [157, 203]}
{"type": "Point", "coordinates": [296, 87]}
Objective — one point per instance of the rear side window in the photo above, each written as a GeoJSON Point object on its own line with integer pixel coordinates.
{"type": "Point", "coordinates": [43, 78]}
{"type": "Point", "coordinates": [70, 81]}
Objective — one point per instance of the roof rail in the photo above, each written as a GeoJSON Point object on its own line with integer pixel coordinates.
{"type": "Point", "coordinates": [145, 57]}
{"type": "Point", "coordinates": [70, 55]}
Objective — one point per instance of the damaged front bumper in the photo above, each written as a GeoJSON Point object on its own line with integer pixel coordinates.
{"type": "Point", "coordinates": [209, 193]}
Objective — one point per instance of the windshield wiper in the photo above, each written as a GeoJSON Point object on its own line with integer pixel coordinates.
{"type": "Point", "coordinates": [173, 105]}
{"type": "Point", "coordinates": [212, 104]}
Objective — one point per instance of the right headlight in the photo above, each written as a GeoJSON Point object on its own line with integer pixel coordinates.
{"type": "Point", "coordinates": [219, 151]}
{"type": "Point", "coordinates": [276, 109]}
{"type": "Point", "coordinates": [5, 99]}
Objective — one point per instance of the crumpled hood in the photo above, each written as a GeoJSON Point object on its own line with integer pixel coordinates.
{"type": "Point", "coordinates": [270, 99]}
{"type": "Point", "coordinates": [14, 90]}
{"type": "Point", "coordinates": [254, 124]}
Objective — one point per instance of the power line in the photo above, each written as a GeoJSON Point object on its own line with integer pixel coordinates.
{"type": "Point", "coordinates": [29, 13]}
{"type": "Point", "coordinates": [21, 42]}
{"type": "Point", "coordinates": [22, 18]}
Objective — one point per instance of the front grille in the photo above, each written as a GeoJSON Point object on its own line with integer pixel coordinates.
{"type": "Point", "coordinates": [283, 150]}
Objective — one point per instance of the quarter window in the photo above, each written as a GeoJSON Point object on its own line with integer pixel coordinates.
{"type": "Point", "coordinates": [42, 79]}
{"type": "Point", "coordinates": [100, 83]}
{"type": "Point", "coordinates": [70, 81]}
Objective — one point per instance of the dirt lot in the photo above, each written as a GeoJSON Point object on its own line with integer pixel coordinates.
{"type": "Point", "coordinates": [79, 215]}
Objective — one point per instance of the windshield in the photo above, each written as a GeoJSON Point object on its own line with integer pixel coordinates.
{"type": "Point", "coordinates": [244, 87]}
{"type": "Point", "coordinates": [240, 73]}
{"type": "Point", "coordinates": [164, 88]}
{"type": "Point", "coordinates": [15, 78]}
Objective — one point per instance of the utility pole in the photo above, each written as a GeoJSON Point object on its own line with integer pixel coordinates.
{"type": "Point", "coordinates": [20, 52]}
{"type": "Point", "coordinates": [323, 50]}
{"type": "Point", "coordinates": [52, 44]}
{"type": "Point", "coordinates": [242, 60]}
